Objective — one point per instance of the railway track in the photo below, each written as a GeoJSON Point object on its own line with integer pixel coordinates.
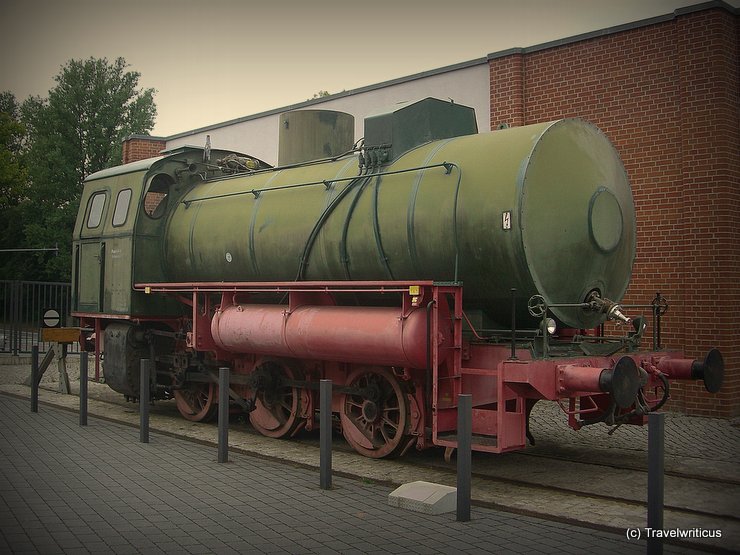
{"type": "Point", "coordinates": [698, 495]}
{"type": "Point", "coordinates": [629, 465]}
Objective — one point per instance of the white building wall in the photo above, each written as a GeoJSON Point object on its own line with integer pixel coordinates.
{"type": "Point", "coordinates": [257, 135]}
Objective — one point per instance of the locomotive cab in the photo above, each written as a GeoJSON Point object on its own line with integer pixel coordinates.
{"type": "Point", "coordinates": [117, 238]}
{"type": "Point", "coordinates": [103, 239]}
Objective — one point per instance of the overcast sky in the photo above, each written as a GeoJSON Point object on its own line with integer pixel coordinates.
{"type": "Point", "coordinates": [215, 60]}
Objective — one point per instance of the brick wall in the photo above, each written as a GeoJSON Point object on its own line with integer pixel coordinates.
{"type": "Point", "coordinates": [140, 147]}
{"type": "Point", "coordinates": [666, 94]}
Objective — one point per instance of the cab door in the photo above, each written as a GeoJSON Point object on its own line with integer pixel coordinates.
{"type": "Point", "coordinates": [90, 255]}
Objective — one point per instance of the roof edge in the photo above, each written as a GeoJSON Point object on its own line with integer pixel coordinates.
{"type": "Point", "coordinates": [686, 10]}
{"type": "Point", "coordinates": [138, 166]}
{"type": "Point", "coordinates": [143, 136]}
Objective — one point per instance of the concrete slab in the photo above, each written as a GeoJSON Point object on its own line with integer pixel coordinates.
{"type": "Point", "coordinates": [424, 497]}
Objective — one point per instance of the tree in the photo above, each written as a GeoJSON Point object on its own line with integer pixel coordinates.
{"type": "Point", "coordinates": [12, 171]}
{"type": "Point", "coordinates": [13, 185]}
{"type": "Point", "coordinates": [77, 131]}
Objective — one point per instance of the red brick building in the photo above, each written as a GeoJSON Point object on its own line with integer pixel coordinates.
{"type": "Point", "coordinates": [667, 93]}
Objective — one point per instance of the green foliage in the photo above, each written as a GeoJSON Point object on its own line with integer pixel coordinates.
{"type": "Point", "coordinates": [77, 131]}
{"type": "Point", "coordinates": [320, 94]}
{"type": "Point", "coordinates": [13, 186]}
{"type": "Point", "coordinates": [12, 172]}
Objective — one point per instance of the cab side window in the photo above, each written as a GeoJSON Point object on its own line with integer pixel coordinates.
{"type": "Point", "coordinates": [95, 210]}
{"type": "Point", "coordinates": [120, 212]}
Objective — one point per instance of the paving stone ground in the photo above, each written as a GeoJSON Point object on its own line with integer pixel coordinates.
{"type": "Point", "coordinates": [96, 489]}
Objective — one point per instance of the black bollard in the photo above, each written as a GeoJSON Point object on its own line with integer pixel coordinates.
{"type": "Point", "coordinates": [325, 437]}
{"type": "Point", "coordinates": [656, 458]}
{"type": "Point", "coordinates": [35, 378]}
{"type": "Point", "coordinates": [83, 388]}
{"type": "Point", "coordinates": [464, 455]}
{"type": "Point", "coordinates": [223, 415]}
{"type": "Point", "coordinates": [144, 373]}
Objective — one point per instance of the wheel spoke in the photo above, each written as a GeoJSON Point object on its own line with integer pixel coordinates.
{"type": "Point", "coordinates": [197, 402]}
{"type": "Point", "coordinates": [351, 403]}
{"type": "Point", "coordinates": [375, 426]}
{"type": "Point", "coordinates": [390, 423]}
{"type": "Point", "coordinates": [384, 433]}
{"type": "Point", "coordinates": [278, 406]}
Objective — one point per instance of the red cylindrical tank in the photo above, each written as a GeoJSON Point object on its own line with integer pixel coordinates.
{"type": "Point", "coordinates": [365, 335]}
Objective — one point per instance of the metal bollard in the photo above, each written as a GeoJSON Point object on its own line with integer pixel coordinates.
{"type": "Point", "coordinates": [35, 378]}
{"type": "Point", "coordinates": [144, 373]}
{"type": "Point", "coordinates": [656, 458]}
{"type": "Point", "coordinates": [464, 455]}
{"type": "Point", "coordinates": [325, 434]}
{"type": "Point", "coordinates": [83, 388]}
{"type": "Point", "coordinates": [223, 415]}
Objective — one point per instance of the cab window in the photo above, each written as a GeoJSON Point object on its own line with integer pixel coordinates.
{"type": "Point", "coordinates": [155, 200]}
{"type": "Point", "coordinates": [120, 213]}
{"type": "Point", "coordinates": [95, 212]}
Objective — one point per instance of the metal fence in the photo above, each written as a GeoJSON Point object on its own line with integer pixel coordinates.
{"type": "Point", "coordinates": [22, 305]}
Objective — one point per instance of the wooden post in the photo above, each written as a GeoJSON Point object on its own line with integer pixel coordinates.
{"type": "Point", "coordinates": [60, 350]}
{"type": "Point", "coordinates": [60, 338]}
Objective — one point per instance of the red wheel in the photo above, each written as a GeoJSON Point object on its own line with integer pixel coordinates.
{"type": "Point", "coordinates": [197, 402]}
{"type": "Point", "coordinates": [279, 408]}
{"type": "Point", "coordinates": [375, 422]}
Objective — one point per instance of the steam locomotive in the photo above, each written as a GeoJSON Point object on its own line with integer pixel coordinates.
{"type": "Point", "coordinates": [425, 261]}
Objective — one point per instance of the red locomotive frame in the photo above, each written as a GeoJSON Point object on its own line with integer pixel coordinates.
{"type": "Point", "coordinates": [396, 367]}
